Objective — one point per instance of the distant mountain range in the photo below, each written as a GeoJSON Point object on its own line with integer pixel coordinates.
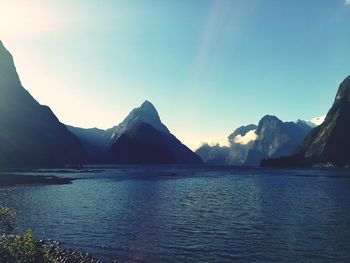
{"type": "Point", "coordinates": [140, 139]}
{"type": "Point", "coordinates": [327, 143]}
{"type": "Point", "coordinates": [248, 145]}
{"type": "Point", "coordinates": [32, 136]}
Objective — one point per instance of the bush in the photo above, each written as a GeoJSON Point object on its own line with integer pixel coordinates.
{"type": "Point", "coordinates": [26, 249]}
{"type": "Point", "coordinates": [7, 220]}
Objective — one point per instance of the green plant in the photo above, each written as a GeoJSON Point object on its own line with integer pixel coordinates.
{"type": "Point", "coordinates": [7, 220]}
{"type": "Point", "coordinates": [27, 249]}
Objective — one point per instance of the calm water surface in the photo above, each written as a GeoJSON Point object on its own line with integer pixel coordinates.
{"type": "Point", "coordinates": [178, 214]}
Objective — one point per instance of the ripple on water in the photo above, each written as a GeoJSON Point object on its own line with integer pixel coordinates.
{"type": "Point", "coordinates": [203, 215]}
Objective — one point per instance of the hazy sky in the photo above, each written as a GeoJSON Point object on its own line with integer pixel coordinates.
{"type": "Point", "coordinates": [208, 66]}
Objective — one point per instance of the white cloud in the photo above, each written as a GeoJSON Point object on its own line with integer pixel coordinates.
{"type": "Point", "coordinates": [222, 142]}
{"type": "Point", "coordinates": [347, 2]}
{"type": "Point", "coordinates": [247, 138]}
{"type": "Point", "coordinates": [318, 120]}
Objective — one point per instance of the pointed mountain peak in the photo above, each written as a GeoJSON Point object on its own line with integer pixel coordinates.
{"type": "Point", "coordinates": [146, 110]}
{"type": "Point", "coordinates": [147, 106]}
{"type": "Point", "coordinates": [146, 113]}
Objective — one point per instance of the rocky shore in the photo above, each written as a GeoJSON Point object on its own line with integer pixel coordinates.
{"type": "Point", "coordinates": [66, 255]}
{"type": "Point", "coordinates": [55, 252]}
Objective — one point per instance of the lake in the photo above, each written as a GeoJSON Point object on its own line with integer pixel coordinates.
{"type": "Point", "coordinates": [192, 214]}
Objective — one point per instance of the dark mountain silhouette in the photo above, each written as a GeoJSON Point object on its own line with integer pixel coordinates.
{"type": "Point", "coordinates": [146, 113]}
{"type": "Point", "coordinates": [30, 134]}
{"type": "Point", "coordinates": [329, 142]}
{"type": "Point", "coordinates": [94, 140]}
{"type": "Point", "coordinates": [140, 139]}
{"type": "Point", "coordinates": [143, 144]}
{"type": "Point", "coordinates": [143, 139]}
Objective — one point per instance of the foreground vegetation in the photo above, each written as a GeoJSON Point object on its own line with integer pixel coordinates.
{"type": "Point", "coordinates": [28, 249]}
{"type": "Point", "coordinates": [16, 249]}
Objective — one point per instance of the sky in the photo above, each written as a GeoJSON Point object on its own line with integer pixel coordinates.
{"type": "Point", "coordinates": [207, 66]}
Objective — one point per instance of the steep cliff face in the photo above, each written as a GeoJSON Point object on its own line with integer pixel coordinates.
{"type": "Point", "coordinates": [275, 138]}
{"type": "Point", "coordinates": [330, 142]}
{"type": "Point", "coordinates": [30, 134]}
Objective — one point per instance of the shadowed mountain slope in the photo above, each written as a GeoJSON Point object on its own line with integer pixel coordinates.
{"type": "Point", "coordinates": [30, 134]}
{"type": "Point", "coordinates": [329, 142]}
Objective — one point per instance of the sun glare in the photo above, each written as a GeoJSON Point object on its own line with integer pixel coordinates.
{"type": "Point", "coordinates": [24, 18]}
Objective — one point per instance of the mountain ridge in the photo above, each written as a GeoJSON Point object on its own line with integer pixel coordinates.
{"type": "Point", "coordinates": [30, 133]}
{"type": "Point", "coordinates": [251, 143]}
{"type": "Point", "coordinates": [327, 143]}
{"type": "Point", "coordinates": [141, 138]}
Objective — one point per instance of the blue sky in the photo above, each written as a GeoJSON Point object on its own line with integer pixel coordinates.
{"type": "Point", "coordinates": [208, 66]}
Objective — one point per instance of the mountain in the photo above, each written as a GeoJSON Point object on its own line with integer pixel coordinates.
{"type": "Point", "coordinates": [250, 144]}
{"type": "Point", "coordinates": [240, 142]}
{"type": "Point", "coordinates": [143, 139]}
{"type": "Point", "coordinates": [329, 142]}
{"type": "Point", "coordinates": [214, 155]}
{"type": "Point", "coordinates": [94, 140]}
{"type": "Point", "coordinates": [140, 139]}
{"type": "Point", "coordinates": [314, 122]}
{"type": "Point", "coordinates": [30, 134]}
{"type": "Point", "coordinates": [147, 113]}
{"type": "Point", "coordinates": [276, 138]}
{"type": "Point", "coordinates": [243, 134]}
